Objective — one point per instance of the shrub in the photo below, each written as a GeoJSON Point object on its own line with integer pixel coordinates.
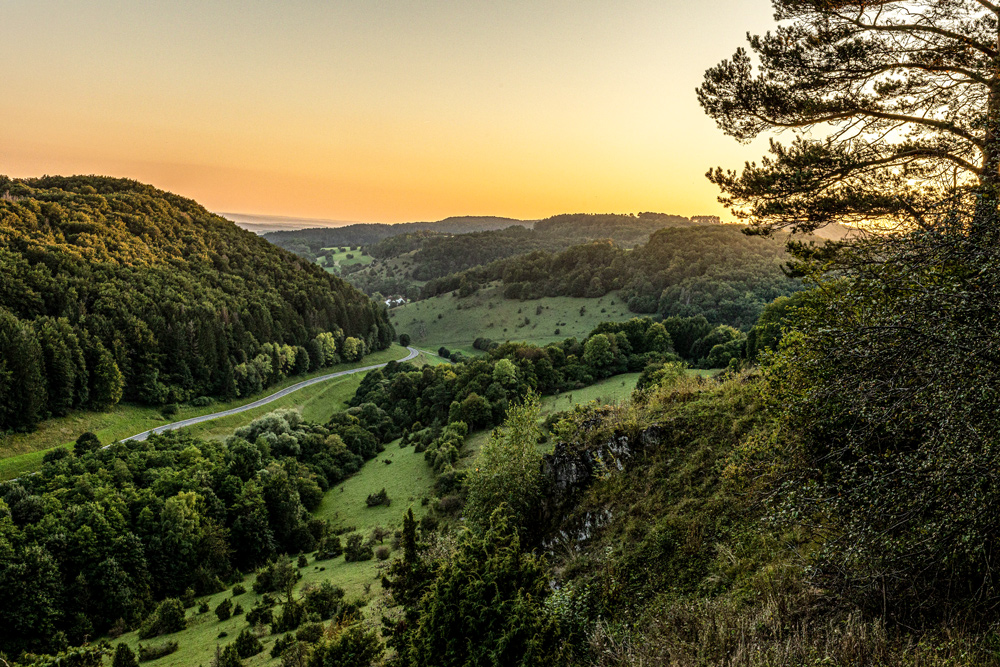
{"type": "Point", "coordinates": [203, 608]}
{"type": "Point", "coordinates": [382, 552]}
{"type": "Point", "coordinates": [356, 550]}
{"type": "Point", "coordinates": [239, 589]}
{"type": "Point", "coordinates": [54, 455]}
{"type": "Point", "coordinates": [247, 644]}
{"type": "Point", "coordinates": [124, 657]}
{"type": "Point", "coordinates": [404, 340]}
{"type": "Point", "coordinates": [87, 442]}
{"type": "Point", "coordinates": [147, 653]}
{"type": "Point", "coordinates": [302, 561]}
{"type": "Point", "coordinates": [261, 614]}
{"type": "Point", "coordinates": [310, 633]}
{"type": "Point", "coordinates": [201, 401]}
{"type": "Point", "coordinates": [169, 410]}
{"type": "Point", "coordinates": [224, 610]}
{"type": "Point", "coordinates": [329, 547]}
{"type": "Point", "coordinates": [166, 618]}
{"type": "Point", "coordinates": [237, 609]}
{"type": "Point", "coordinates": [376, 499]}
{"type": "Point", "coordinates": [227, 657]}
{"type": "Point", "coordinates": [323, 600]}
{"type": "Point", "coordinates": [276, 576]}
{"type": "Point", "coordinates": [450, 504]}
{"type": "Point", "coordinates": [281, 644]}
{"type": "Point", "coordinates": [292, 615]}
{"type": "Point", "coordinates": [351, 646]}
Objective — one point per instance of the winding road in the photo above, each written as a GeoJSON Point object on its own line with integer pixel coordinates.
{"type": "Point", "coordinates": [264, 401]}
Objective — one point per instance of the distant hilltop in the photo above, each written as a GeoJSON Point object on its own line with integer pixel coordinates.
{"type": "Point", "coordinates": [262, 224]}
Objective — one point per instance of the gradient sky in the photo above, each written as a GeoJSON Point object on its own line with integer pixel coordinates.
{"type": "Point", "coordinates": [376, 110]}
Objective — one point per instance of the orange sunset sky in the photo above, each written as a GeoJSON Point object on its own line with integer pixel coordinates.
{"type": "Point", "coordinates": [377, 110]}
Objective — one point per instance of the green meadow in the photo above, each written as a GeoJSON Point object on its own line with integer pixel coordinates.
{"type": "Point", "coordinates": [340, 258]}
{"type": "Point", "coordinates": [455, 323]}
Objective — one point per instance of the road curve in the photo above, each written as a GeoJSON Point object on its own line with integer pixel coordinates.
{"type": "Point", "coordinates": [263, 401]}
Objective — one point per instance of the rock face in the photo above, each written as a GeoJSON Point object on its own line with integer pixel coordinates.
{"type": "Point", "coordinates": [571, 468]}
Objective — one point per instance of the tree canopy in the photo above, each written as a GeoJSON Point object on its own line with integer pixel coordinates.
{"type": "Point", "coordinates": [894, 108]}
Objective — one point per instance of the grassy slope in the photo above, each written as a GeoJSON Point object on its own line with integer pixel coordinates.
{"type": "Point", "coordinates": [20, 453]}
{"type": "Point", "coordinates": [340, 258]}
{"type": "Point", "coordinates": [489, 315]}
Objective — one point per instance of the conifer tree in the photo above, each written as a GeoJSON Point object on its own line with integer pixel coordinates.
{"type": "Point", "coordinates": [907, 95]}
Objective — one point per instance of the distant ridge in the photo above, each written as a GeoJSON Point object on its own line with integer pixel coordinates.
{"type": "Point", "coordinates": [262, 224]}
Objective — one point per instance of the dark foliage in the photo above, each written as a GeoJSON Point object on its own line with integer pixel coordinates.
{"type": "Point", "coordinates": [110, 290]}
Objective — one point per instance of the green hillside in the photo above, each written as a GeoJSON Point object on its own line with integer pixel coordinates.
{"type": "Point", "coordinates": [447, 321]}
{"type": "Point", "coordinates": [110, 290]}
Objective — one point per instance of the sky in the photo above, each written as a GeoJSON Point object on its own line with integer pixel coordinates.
{"type": "Point", "coordinates": [377, 110]}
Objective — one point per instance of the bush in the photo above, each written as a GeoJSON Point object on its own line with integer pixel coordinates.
{"type": "Point", "coordinates": [202, 401]}
{"type": "Point", "coordinates": [169, 410]}
{"type": "Point", "coordinates": [302, 561]}
{"type": "Point", "coordinates": [166, 618]}
{"type": "Point", "coordinates": [247, 644]}
{"type": "Point", "coordinates": [450, 504]}
{"type": "Point", "coordinates": [147, 653]}
{"type": "Point", "coordinates": [329, 547]}
{"type": "Point", "coordinates": [356, 550]}
{"type": "Point", "coordinates": [376, 499]}
{"type": "Point", "coordinates": [276, 576]}
{"type": "Point", "coordinates": [292, 615]}
{"type": "Point", "coordinates": [227, 657]}
{"type": "Point", "coordinates": [261, 614]}
{"type": "Point", "coordinates": [382, 552]}
{"type": "Point", "coordinates": [281, 644]}
{"type": "Point", "coordinates": [54, 455]}
{"type": "Point", "coordinates": [239, 589]}
{"type": "Point", "coordinates": [237, 609]}
{"type": "Point", "coordinates": [444, 352]}
{"type": "Point", "coordinates": [224, 610]}
{"type": "Point", "coordinates": [124, 657]}
{"type": "Point", "coordinates": [351, 646]}
{"type": "Point", "coordinates": [404, 340]}
{"type": "Point", "coordinates": [322, 600]}
{"type": "Point", "coordinates": [310, 633]}
{"type": "Point", "coordinates": [203, 608]}
{"type": "Point", "coordinates": [87, 442]}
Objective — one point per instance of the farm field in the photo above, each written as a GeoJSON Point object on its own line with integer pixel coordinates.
{"type": "Point", "coordinates": [455, 323]}
{"type": "Point", "coordinates": [22, 452]}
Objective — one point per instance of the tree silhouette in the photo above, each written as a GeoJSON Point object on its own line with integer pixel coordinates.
{"type": "Point", "coordinates": [904, 98]}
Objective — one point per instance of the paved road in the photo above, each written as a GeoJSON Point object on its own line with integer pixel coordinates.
{"type": "Point", "coordinates": [264, 401]}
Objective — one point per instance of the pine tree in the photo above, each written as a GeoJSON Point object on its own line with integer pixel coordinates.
{"type": "Point", "coordinates": [910, 92]}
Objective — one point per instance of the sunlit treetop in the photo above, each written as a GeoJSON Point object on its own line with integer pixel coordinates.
{"type": "Point", "coordinates": [892, 109]}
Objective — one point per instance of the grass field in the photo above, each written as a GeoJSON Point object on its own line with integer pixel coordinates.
{"type": "Point", "coordinates": [455, 323]}
{"type": "Point", "coordinates": [21, 453]}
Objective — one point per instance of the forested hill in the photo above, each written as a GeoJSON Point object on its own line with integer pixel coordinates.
{"type": "Point", "coordinates": [112, 289]}
{"type": "Point", "coordinates": [710, 270]}
{"type": "Point", "coordinates": [309, 242]}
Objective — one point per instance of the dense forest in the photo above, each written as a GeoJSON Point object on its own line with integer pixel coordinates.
{"type": "Point", "coordinates": [437, 255]}
{"type": "Point", "coordinates": [112, 290]}
{"type": "Point", "coordinates": [714, 271]}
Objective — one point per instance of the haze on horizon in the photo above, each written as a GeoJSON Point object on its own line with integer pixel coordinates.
{"type": "Point", "coordinates": [376, 111]}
